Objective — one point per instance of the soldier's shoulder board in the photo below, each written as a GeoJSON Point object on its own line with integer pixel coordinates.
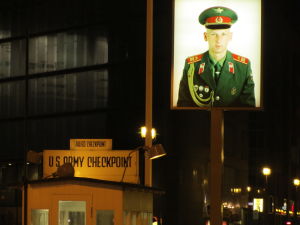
{"type": "Point", "coordinates": [240, 59]}
{"type": "Point", "coordinates": [193, 59]}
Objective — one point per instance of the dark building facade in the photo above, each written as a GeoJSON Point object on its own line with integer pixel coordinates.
{"type": "Point", "coordinates": [76, 69]}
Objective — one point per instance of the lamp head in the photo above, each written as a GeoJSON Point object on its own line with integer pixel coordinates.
{"type": "Point", "coordinates": [266, 171]}
{"type": "Point", "coordinates": [154, 152]}
{"type": "Point", "coordinates": [296, 182]}
{"type": "Point", "coordinates": [157, 151]}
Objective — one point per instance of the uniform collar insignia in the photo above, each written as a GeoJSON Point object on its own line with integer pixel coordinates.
{"type": "Point", "coordinates": [231, 67]}
{"type": "Point", "coordinates": [201, 68]}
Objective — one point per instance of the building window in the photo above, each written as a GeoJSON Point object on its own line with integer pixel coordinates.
{"type": "Point", "coordinates": [67, 50]}
{"type": "Point", "coordinates": [12, 99]}
{"type": "Point", "coordinates": [72, 212]}
{"type": "Point", "coordinates": [68, 93]}
{"type": "Point", "coordinates": [39, 216]}
{"type": "Point", "coordinates": [12, 58]}
{"type": "Point", "coordinates": [105, 217]}
{"type": "Point", "coordinates": [137, 218]}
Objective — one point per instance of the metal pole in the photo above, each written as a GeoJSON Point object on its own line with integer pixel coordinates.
{"type": "Point", "coordinates": [216, 165]}
{"type": "Point", "coordinates": [149, 63]}
{"type": "Point", "coordinates": [296, 206]}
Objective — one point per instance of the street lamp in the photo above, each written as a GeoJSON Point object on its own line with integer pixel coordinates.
{"type": "Point", "coordinates": [296, 183]}
{"type": "Point", "coordinates": [248, 188]}
{"type": "Point", "coordinates": [266, 172]}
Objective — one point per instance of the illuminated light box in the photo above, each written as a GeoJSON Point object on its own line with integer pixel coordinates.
{"type": "Point", "coordinates": [258, 204]}
{"type": "Point", "coordinates": [196, 50]}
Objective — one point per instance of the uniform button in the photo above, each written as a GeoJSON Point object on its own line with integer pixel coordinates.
{"type": "Point", "coordinates": [217, 98]}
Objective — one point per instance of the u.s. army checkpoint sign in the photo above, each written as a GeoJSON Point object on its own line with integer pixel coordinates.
{"type": "Point", "coordinates": [104, 165]}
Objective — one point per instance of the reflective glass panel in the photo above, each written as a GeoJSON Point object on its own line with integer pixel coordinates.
{"type": "Point", "coordinates": [67, 93]}
{"type": "Point", "coordinates": [105, 217]}
{"type": "Point", "coordinates": [72, 212]}
{"type": "Point", "coordinates": [137, 218]}
{"type": "Point", "coordinates": [12, 58]}
{"type": "Point", "coordinates": [67, 50]}
{"type": "Point", "coordinates": [39, 216]}
{"type": "Point", "coordinates": [12, 21]}
{"type": "Point", "coordinates": [12, 99]}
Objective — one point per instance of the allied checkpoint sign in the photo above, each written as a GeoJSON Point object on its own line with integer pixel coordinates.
{"type": "Point", "coordinates": [239, 86]}
{"type": "Point", "coordinates": [91, 144]}
{"type": "Point", "coordinates": [105, 165]}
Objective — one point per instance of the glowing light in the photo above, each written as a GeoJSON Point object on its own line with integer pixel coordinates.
{"type": "Point", "coordinates": [258, 204]}
{"type": "Point", "coordinates": [296, 182]}
{"type": "Point", "coordinates": [266, 171]}
{"type": "Point", "coordinates": [153, 133]}
{"type": "Point", "coordinates": [236, 190]}
{"type": "Point", "coordinates": [144, 132]}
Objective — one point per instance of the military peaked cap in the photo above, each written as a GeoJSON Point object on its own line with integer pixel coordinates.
{"type": "Point", "coordinates": [218, 17]}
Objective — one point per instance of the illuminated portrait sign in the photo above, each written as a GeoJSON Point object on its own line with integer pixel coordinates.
{"type": "Point", "coordinates": [217, 54]}
{"type": "Point", "coordinates": [258, 204]}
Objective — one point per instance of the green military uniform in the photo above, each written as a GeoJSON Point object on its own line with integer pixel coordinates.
{"type": "Point", "coordinates": [234, 86]}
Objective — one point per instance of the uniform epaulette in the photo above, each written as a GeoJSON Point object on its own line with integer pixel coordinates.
{"type": "Point", "coordinates": [240, 58]}
{"type": "Point", "coordinates": [193, 59]}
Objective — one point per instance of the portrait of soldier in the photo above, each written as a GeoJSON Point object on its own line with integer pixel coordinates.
{"type": "Point", "coordinates": [217, 77]}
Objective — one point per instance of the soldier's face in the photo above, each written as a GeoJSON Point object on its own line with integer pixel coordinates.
{"type": "Point", "coordinates": [217, 40]}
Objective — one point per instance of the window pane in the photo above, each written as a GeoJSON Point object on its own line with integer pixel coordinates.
{"type": "Point", "coordinates": [12, 99]}
{"type": "Point", "coordinates": [70, 92]}
{"type": "Point", "coordinates": [105, 217]}
{"type": "Point", "coordinates": [72, 212]}
{"type": "Point", "coordinates": [12, 21]}
{"type": "Point", "coordinates": [39, 216]}
{"type": "Point", "coordinates": [67, 50]}
{"type": "Point", "coordinates": [5, 24]}
{"type": "Point", "coordinates": [57, 14]}
{"type": "Point", "coordinates": [137, 218]}
{"type": "Point", "coordinates": [12, 59]}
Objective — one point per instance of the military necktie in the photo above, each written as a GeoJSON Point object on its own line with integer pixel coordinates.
{"type": "Point", "coordinates": [218, 68]}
